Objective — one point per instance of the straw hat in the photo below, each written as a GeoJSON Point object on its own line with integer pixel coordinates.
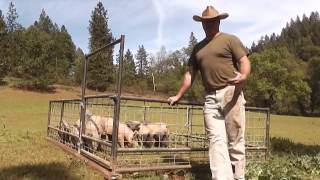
{"type": "Point", "coordinates": [210, 13]}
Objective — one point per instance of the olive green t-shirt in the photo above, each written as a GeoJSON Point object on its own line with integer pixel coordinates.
{"type": "Point", "coordinates": [217, 59]}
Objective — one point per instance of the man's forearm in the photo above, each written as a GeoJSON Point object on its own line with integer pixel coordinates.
{"type": "Point", "coordinates": [245, 69]}
{"type": "Point", "coordinates": [187, 81]}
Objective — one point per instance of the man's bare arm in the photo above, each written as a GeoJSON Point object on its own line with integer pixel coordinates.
{"type": "Point", "coordinates": [240, 79]}
{"type": "Point", "coordinates": [187, 82]}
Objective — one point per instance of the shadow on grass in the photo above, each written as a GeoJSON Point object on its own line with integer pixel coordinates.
{"type": "Point", "coordinates": [50, 171]}
{"type": "Point", "coordinates": [201, 172]}
{"type": "Point", "coordinates": [285, 145]}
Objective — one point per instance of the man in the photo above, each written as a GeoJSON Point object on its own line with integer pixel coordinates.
{"type": "Point", "coordinates": [218, 57]}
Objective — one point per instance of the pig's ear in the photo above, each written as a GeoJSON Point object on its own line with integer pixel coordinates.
{"type": "Point", "coordinates": [138, 127]}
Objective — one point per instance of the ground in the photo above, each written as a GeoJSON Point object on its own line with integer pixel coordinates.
{"type": "Point", "coordinates": [25, 154]}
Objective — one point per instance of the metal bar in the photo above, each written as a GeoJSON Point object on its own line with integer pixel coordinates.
{"type": "Point", "coordinates": [61, 113]}
{"type": "Point", "coordinates": [49, 118]}
{"type": "Point", "coordinates": [267, 140]}
{"type": "Point", "coordinates": [97, 140]}
{"type": "Point", "coordinates": [153, 100]}
{"type": "Point", "coordinates": [105, 172]}
{"type": "Point", "coordinates": [65, 100]}
{"type": "Point", "coordinates": [158, 100]}
{"type": "Point", "coordinates": [150, 168]}
{"type": "Point", "coordinates": [82, 104]}
{"type": "Point", "coordinates": [103, 47]}
{"type": "Point", "coordinates": [117, 108]}
{"type": "Point", "coordinates": [96, 159]}
{"type": "Point", "coordinates": [192, 136]}
{"type": "Point", "coordinates": [73, 135]}
{"type": "Point", "coordinates": [161, 149]}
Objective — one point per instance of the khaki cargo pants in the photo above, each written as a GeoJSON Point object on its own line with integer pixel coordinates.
{"type": "Point", "coordinates": [225, 130]}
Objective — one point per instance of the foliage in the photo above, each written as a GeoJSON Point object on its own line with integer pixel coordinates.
{"type": "Point", "coordinates": [12, 16]}
{"type": "Point", "coordinates": [277, 81]}
{"type": "Point", "coordinates": [3, 63]}
{"type": "Point", "coordinates": [142, 62]}
{"type": "Point", "coordinates": [289, 161]}
{"type": "Point", "coordinates": [284, 67]}
{"type": "Point", "coordinates": [37, 56]}
{"type": "Point", "coordinates": [100, 66]}
{"type": "Point", "coordinates": [129, 69]}
{"type": "Point", "coordinates": [314, 82]}
{"type": "Point", "coordinates": [300, 42]}
{"type": "Point", "coordinates": [79, 62]}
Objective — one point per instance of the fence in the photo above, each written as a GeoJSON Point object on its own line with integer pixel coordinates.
{"type": "Point", "coordinates": [185, 146]}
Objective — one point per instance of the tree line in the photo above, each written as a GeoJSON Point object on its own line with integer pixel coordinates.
{"type": "Point", "coordinates": [285, 67]}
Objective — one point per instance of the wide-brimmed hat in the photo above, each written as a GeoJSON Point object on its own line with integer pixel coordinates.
{"type": "Point", "coordinates": [210, 13]}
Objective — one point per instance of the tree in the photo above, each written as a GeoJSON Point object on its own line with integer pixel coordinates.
{"type": "Point", "coordinates": [3, 25]}
{"type": "Point", "coordinates": [36, 66]}
{"type": "Point", "coordinates": [142, 63]}
{"type": "Point", "coordinates": [3, 62]}
{"type": "Point", "coordinates": [100, 67]}
{"type": "Point", "coordinates": [12, 17]}
{"type": "Point", "coordinates": [78, 72]}
{"type": "Point", "coordinates": [44, 23]}
{"type": "Point", "coordinates": [188, 50]}
{"type": "Point", "coordinates": [129, 69]}
{"type": "Point", "coordinates": [277, 81]}
{"type": "Point", "coordinates": [64, 52]}
{"type": "Point", "coordinates": [314, 73]}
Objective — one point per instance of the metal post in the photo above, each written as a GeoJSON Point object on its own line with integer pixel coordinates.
{"type": "Point", "coordinates": [49, 118]}
{"type": "Point", "coordinates": [61, 114]}
{"type": "Point", "coordinates": [189, 116]}
{"type": "Point", "coordinates": [83, 104]}
{"type": "Point", "coordinates": [117, 108]}
{"type": "Point", "coordinates": [268, 133]}
{"type": "Point", "coordinates": [144, 112]}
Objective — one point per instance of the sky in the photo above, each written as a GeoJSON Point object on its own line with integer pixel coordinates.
{"type": "Point", "coordinates": [156, 23]}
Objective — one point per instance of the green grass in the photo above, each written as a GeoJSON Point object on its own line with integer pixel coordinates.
{"type": "Point", "coordinates": [25, 154]}
{"type": "Point", "coordinates": [299, 129]}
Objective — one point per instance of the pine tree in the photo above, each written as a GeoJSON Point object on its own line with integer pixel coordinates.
{"type": "Point", "coordinates": [12, 17]}
{"type": "Point", "coordinates": [44, 23]}
{"type": "Point", "coordinates": [129, 70]}
{"type": "Point", "coordinates": [2, 24]}
{"type": "Point", "coordinates": [78, 72]}
{"type": "Point", "coordinates": [142, 63]}
{"type": "Point", "coordinates": [192, 42]}
{"type": "Point", "coordinates": [100, 66]}
{"type": "Point", "coordinates": [3, 63]}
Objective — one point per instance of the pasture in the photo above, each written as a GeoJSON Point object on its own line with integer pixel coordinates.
{"type": "Point", "coordinates": [25, 154]}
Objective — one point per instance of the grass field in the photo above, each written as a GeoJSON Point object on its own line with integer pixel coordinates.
{"type": "Point", "coordinates": [25, 154]}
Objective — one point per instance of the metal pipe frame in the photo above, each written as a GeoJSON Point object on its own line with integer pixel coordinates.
{"type": "Point", "coordinates": [49, 118]}
{"type": "Point", "coordinates": [267, 140]}
{"type": "Point", "coordinates": [105, 172]}
{"type": "Point", "coordinates": [117, 108]}
{"type": "Point", "coordinates": [83, 101]}
{"type": "Point", "coordinates": [116, 98]}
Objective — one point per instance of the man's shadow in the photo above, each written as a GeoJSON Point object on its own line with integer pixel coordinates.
{"type": "Point", "coordinates": [50, 171]}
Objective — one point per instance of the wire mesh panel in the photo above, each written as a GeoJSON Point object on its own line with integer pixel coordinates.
{"type": "Point", "coordinates": [97, 134]}
{"type": "Point", "coordinates": [64, 122]}
{"type": "Point", "coordinates": [257, 133]}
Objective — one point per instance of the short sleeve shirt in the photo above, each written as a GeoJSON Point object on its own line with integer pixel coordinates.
{"type": "Point", "coordinates": [217, 59]}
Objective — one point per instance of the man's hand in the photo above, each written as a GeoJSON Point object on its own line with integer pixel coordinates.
{"type": "Point", "coordinates": [240, 78]}
{"type": "Point", "coordinates": [173, 99]}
